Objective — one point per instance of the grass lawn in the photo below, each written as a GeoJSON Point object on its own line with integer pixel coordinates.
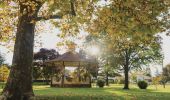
{"type": "Point", "coordinates": [113, 92]}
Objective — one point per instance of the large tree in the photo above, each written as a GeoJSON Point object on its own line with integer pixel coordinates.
{"type": "Point", "coordinates": [134, 55]}
{"type": "Point", "coordinates": [19, 83]}
{"type": "Point", "coordinates": [129, 28]}
{"type": "Point", "coordinates": [126, 53]}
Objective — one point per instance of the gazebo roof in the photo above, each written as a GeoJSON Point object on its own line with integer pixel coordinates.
{"type": "Point", "coordinates": [71, 58]}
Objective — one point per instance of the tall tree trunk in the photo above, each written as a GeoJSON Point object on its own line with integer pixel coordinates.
{"type": "Point", "coordinates": [164, 84]}
{"type": "Point", "coordinates": [19, 83]}
{"type": "Point", "coordinates": [107, 80]}
{"type": "Point", "coordinates": [126, 84]}
{"type": "Point", "coordinates": [126, 70]}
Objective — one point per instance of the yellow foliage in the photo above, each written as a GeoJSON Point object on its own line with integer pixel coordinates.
{"type": "Point", "coordinates": [4, 72]}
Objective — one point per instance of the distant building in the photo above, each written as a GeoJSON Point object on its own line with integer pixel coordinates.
{"type": "Point", "coordinates": [142, 77]}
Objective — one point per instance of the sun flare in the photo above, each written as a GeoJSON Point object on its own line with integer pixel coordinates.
{"type": "Point", "coordinates": [93, 50]}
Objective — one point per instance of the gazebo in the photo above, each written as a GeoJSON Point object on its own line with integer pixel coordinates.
{"type": "Point", "coordinates": [71, 70]}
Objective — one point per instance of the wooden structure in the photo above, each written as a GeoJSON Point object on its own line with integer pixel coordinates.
{"type": "Point", "coordinates": [71, 70]}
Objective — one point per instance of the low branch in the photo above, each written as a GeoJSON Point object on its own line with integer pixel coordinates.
{"type": "Point", "coordinates": [72, 12]}
{"type": "Point", "coordinates": [72, 8]}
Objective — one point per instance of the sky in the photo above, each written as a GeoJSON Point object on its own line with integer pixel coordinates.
{"type": "Point", "coordinates": [166, 48]}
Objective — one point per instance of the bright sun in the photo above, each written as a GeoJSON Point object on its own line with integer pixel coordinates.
{"type": "Point", "coordinates": [94, 50]}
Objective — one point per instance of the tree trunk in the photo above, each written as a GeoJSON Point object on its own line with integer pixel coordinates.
{"type": "Point", "coordinates": [90, 81]}
{"type": "Point", "coordinates": [19, 83]}
{"type": "Point", "coordinates": [126, 84]}
{"type": "Point", "coordinates": [107, 80]}
{"type": "Point", "coordinates": [126, 70]}
{"type": "Point", "coordinates": [164, 85]}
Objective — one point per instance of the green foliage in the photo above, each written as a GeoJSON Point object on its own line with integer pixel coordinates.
{"type": "Point", "coordinates": [37, 72]}
{"type": "Point", "coordinates": [47, 72]}
{"type": "Point", "coordinates": [142, 84]}
{"type": "Point", "coordinates": [100, 83]}
{"type": "Point", "coordinates": [40, 69]}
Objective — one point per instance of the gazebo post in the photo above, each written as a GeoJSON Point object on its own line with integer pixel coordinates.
{"type": "Point", "coordinates": [62, 78]}
{"type": "Point", "coordinates": [53, 68]}
{"type": "Point", "coordinates": [52, 77]}
{"type": "Point", "coordinates": [79, 72]}
{"type": "Point", "coordinates": [90, 79]}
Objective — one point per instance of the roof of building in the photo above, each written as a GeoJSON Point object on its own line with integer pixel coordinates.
{"type": "Point", "coordinates": [69, 56]}
{"type": "Point", "coordinates": [72, 57]}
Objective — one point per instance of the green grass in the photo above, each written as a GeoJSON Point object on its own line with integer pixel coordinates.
{"type": "Point", "coordinates": [113, 92]}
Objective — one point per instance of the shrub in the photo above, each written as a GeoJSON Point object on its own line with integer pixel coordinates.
{"type": "Point", "coordinates": [142, 84]}
{"type": "Point", "coordinates": [100, 82]}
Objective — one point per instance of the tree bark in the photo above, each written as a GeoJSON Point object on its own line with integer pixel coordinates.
{"type": "Point", "coordinates": [126, 70]}
{"type": "Point", "coordinates": [126, 84]}
{"type": "Point", "coordinates": [19, 83]}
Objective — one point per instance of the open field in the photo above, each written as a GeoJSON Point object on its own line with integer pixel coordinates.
{"type": "Point", "coordinates": [113, 92]}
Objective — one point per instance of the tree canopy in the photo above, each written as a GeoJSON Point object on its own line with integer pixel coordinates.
{"type": "Point", "coordinates": [127, 30]}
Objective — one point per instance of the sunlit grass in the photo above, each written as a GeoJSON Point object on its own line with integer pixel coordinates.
{"type": "Point", "coordinates": [113, 92]}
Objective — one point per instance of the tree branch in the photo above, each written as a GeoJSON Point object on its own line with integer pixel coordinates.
{"type": "Point", "coordinates": [72, 8]}
{"type": "Point", "coordinates": [72, 12]}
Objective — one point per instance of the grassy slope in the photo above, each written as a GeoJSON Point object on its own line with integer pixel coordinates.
{"type": "Point", "coordinates": [113, 92]}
